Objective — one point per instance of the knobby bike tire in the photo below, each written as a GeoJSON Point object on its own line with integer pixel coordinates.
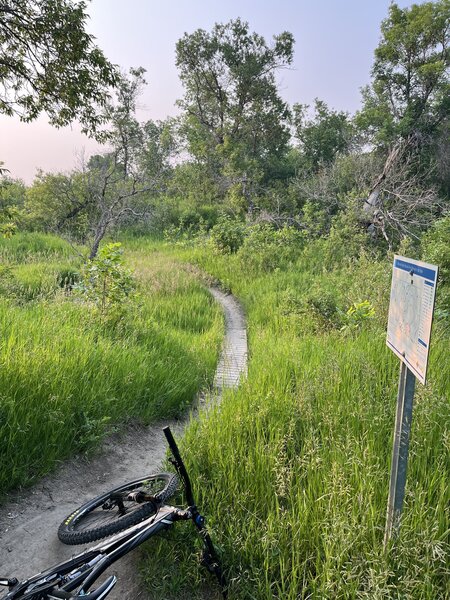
{"type": "Point", "coordinates": [92, 522]}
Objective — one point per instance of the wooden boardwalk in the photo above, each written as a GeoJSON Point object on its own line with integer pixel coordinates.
{"type": "Point", "coordinates": [232, 367]}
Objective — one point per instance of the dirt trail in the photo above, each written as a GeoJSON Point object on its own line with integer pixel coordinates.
{"type": "Point", "coordinates": [28, 541]}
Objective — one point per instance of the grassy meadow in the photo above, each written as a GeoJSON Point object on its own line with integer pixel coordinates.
{"type": "Point", "coordinates": [67, 375]}
{"type": "Point", "coordinates": [293, 468]}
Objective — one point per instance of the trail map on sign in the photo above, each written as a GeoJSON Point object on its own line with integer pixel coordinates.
{"type": "Point", "coordinates": [411, 312]}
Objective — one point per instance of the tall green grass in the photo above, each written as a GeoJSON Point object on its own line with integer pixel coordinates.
{"type": "Point", "coordinates": [294, 466]}
{"type": "Point", "coordinates": [34, 247]}
{"type": "Point", "coordinates": [66, 375]}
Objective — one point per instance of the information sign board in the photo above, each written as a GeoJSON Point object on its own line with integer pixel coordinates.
{"type": "Point", "coordinates": [411, 312]}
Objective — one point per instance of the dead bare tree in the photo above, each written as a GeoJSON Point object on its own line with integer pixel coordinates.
{"type": "Point", "coordinates": [103, 194]}
{"type": "Point", "coordinates": [114, 186]}
{"type": "Point", "coordinates": [405, 205]}
{"type": "Point", "coordinates": [392, 159]}
{"type": "Point", "coordinates": [116, 195]}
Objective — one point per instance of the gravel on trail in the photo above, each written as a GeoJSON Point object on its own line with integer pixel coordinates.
{"type": "Point", "coordinates": [30, 518]}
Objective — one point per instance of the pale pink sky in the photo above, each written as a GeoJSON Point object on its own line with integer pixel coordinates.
{"type": "Point", "coordinates": [335, 40]}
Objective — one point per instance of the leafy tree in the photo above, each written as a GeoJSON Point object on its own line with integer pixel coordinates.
{"type": "Point", "coordinates": [49, 63]}
{"type": "Point", "coordinates": [12, 193]}
{"type": "Point", "coordinates": [12, 197]}
{"type": "Point", "coordinates": [160, 144]}
{"type": "Point", "coordinates": [234, 118]}
{"type": "Point", "coordinates": [409, 92]}
{"type": "Point", "coordinates": [191, 182]}
{"type": "Point", "coordinates": [147, 147]}
{"type": "Point", "coordinates": [408, 100]}
{"type": "Point", "coordinates": [55, 202]}
{"type": "Point", "coordinates": [125, 134]}
{"type": "Point", "coordinates": [324, 136]}
{"type": "Point", "coordinates": [441, 153]}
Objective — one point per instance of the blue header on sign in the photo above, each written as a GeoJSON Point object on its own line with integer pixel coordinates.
{"type": "Point", "coordinates": [416, 269]}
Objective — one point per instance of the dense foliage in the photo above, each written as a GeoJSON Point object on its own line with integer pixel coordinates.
{"type": "Point", "coordinates": [409, 93]}
{"type": "Point", "coordinates": [230, 152]}
{"type": "Point", "coordinates": [49, 63]}
{"type": "Point", "coordinates": [234, 119]}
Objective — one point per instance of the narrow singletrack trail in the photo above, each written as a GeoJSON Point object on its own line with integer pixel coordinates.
{"type": "Point", "coordinates": [30, 519]}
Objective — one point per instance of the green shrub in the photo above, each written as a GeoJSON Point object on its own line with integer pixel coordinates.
{"type": "Point", "coordinates": [185, 234]}
{"type": "Point", "coordinates": [344, 245]}
{"type": "Point", "coordinates": [199, 217]}
{"type": "Point", "coordinates": [346, 241]}
{"type": "Point", "coordinates": [266, 248]}
{"type": "Point", "coordinates": [436, 250]}
{"type": "Point", "coordinates": [227, 235]}
{"type": "Point", "coordinates": [315, 219]}
{"type": "Point", "coordinates": [358, 314]}
{"type": "Point", "coordinates": [105, 281]}
{"type": "Point", "coordinates": [315, 311]}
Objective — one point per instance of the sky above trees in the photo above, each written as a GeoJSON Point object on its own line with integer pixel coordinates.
{"type": "Point", "coordinates": [332, 61]}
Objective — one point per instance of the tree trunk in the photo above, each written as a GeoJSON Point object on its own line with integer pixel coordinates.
{"type": "Point", "coordinates": [99, 234]}
{"type": "Point", "coordinates": [371, 204]}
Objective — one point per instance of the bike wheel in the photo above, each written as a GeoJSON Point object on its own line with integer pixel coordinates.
{"type": "Point", "coordinates": [113, 512]}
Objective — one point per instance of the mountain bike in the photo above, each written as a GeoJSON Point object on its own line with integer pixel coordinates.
{"type": "Point", "coordinates": [127, 516]}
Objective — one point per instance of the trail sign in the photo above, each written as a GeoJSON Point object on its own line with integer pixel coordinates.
{"type": "Point", "coordinates": [409, 330]}
{"type": "Point", "coordinates": [411, 312]}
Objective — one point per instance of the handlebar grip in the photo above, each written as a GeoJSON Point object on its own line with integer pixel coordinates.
{"type": "Point", "coordinates": [180, 465]}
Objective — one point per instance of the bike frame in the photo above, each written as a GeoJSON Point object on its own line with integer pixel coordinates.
{"type": "Point", "coordinates": [82, 571]}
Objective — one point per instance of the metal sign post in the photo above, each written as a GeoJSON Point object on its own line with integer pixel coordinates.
{"type": "Point", "coordinates": [400, 449]}
{"type": "Point", "coordinates": [408, 336]}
